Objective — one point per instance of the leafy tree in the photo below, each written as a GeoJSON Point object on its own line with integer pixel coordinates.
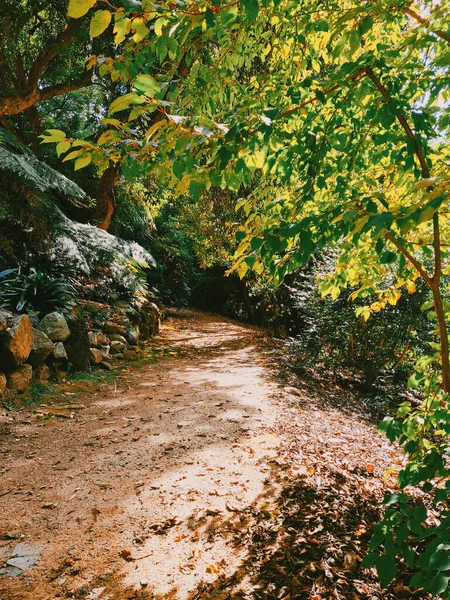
{"type": "Point", "coordinates": [43, 56]}
{"type": "Point", "coordinates": [338, 107]}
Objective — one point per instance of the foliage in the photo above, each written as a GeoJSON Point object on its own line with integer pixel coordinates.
{"type": "Point", "coordinates": [328, 336]}
{"type": "Point", "coordinates": [28, 290]}
{"type": "Point", "coordinates": [133, 218]}
{"type": "Point", "coordinates": [341, 117]}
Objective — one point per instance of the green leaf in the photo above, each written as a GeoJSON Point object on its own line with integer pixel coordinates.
{"type": "Point", "coordinates": [147, 84]}
{"type": "Point", "coordinates": [440, 560]}
{"type": "Point", "coordinates": [251, 7]}
{"type": "Point", "coordinates": [369, 560]}
{"type": "Point", "coordinates": [99, 22]}
{"type": "Point", "coordinates": [388, 258]}
{"type": "Point", "coordinates": [386, 569]}
{"type": "Point", "coordinates": [78, 8]}
{"type": "Point", "coordinates": [439, 584]}
{"type": "Point", "coordinates": [125, 102]}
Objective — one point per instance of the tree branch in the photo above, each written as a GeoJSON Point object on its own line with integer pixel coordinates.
{"type": "Point", "coordinates": [47, 54]}
{"type": "Point", "coordinates": [442, 34]}
{"type": "Point", "coordinates": [410, 257]}
{"type": "Point", "coordinates": [403, 122]}
{"type": "Point", "coordinates": [14, 105]}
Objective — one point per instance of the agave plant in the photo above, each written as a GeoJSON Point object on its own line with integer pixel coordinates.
{"type": "Point", "coordinates": [26, 289]}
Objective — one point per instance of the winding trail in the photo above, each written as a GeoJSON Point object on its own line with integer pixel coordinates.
{"type": "Point", "coordinates": [175, 481]}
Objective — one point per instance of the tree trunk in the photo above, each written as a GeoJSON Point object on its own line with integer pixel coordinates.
{"type": "Point", "coordinates": [106, 198]}
{"type": "Point", "coordinates": [443, 336]}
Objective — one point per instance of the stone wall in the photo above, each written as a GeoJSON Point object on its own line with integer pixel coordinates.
{"type": "Point", "coordinates": [95, 334]}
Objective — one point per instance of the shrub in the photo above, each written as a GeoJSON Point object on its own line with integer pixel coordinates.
{"type": "Point", "coordinates": [26, 289]}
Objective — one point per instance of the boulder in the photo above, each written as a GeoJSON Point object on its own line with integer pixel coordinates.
{"type": "Point", "coordinates": [95, 356]}
{"type": "Point", "coordinates": [118, 338]}
{"type": "Point", "coordinates": [151, 318]}
{"type": "Point", "coordinates": [130, 355]}
{"type": "Point", "coordinates": [118, 347]}
{"type": "Point", "coordinates": [42, 373]}
{"type": "Point", "coordinates": [54, 325]}
{"type": "Point", "coordinates": [42, 347]}
{"type": "Point", "coordinates": [111, 327]}
{"type": "Point", "coordinates": [59, 352]}
{"type": "Point", "coordinates": [93, 338]}
{"type": "Point", "coordinates": [77, 346]}
{"type": "Point", "coordinates": [102, 339]}
{"type": "Point", "coordinates": [16, 340]}
{"type": "Point", "coordinates": [2, 383]}
{"type": "Point", "coordinates": [6, 320]}
{"type": "Point", "coordinates": [106, 365]}
{"type": "Point", "coordinates": [93, 307]}
{"type": "Point", "coordinates": [20, 378]}
{"type": "Point", "coordinates": [132, 335]}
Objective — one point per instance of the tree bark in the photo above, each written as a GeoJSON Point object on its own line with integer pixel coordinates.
{"type": "Point", "coordinates": [14, 105]}
{"type": "Point", "coordinates": [443, 337]}
{"type": "Point", "coordinates": [106, 198]}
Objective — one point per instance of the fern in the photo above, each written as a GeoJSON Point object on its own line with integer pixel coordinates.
{"type": "Point", "coordinates": [21, 165]}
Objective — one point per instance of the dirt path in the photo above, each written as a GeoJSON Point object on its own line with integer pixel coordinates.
{"type": "Point", "coordinates": [197, 476]}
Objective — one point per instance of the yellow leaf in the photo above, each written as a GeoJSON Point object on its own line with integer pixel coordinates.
{"type": "Point", "coordinates": [62, 147]}
{"type": "Point", "coordinates": [72, 155]}
{"type": "Point", "coordinates": [122, 27]}
{"type": "Point", "coordinates": [140, 29]}
{"type": "Point", "coordinates": [78, 8]}
{"type": "Point", "coordinates": [83, 161]}
{"type": "Point", "coordinates": [113, 122]}
{"type": "Point", "coordinates": [109, 136]}
{"type": "Point", "coordinates": [285, 50]}
{"type": "Point", "coordinates": [159, 24]}
{"type": "Point", "coordinates": [242, 269]}
{"type": "Point", "coordinates": [54, 135]}
{"type": "Point", "coordinates": [411, 287]}
{"type": "Point", "coordinates": [99, 22]}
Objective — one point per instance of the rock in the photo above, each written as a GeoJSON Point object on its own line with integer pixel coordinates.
{"type": "Point", "coordinates": [106, 365]}
{"type": "Point", "coordinates": [54, 325]}
{"type": "Point", "coordinates": [6, 320]}
{"type": "Point", "coordinates": [42, 373]}
{"type": "Point", "coordinates": [132, 335]}
{"type": "Point", "coordinates": [41, 348]}
{"type": "Point", "coordinates": [59, 352]}
{"type": "Point", "coordinates": [118, 356]}
{"type": "Point", "coordinates": [16, 340]}
{"type": "Point", "coordinates": [118, 347]}
{"type": "Point", "coordinates": [119, 338]}
{"type": "Point", "coordinates": [24, 557]}
{"type": "Point", "coordinates": [151, 318]}
{"type": "Point", "coordinates": [111, 327]}
{"type": "Point", "coordinates": [93, 340]}
{"type": "Point", "coordinates": [130, 355]}
{"type": "Point", "coordinates": [2, 383]}
{"type": "Point", "coordinates": [77, 346]}
{"type": "Point", "coordinates": [102, 339]}
{"type": "Point", "coordinates": [20, 379]}
{"type": "Point", "coordinates": [93, 307]}
{"type": "Point", "coordinates": [95, 356]}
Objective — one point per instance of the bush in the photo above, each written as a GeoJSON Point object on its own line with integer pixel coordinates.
{"type": "Point", "coordinates": [28, 290]}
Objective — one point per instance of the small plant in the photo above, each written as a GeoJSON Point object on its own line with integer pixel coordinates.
{"type": "Point", "coordinates": [27, 290]}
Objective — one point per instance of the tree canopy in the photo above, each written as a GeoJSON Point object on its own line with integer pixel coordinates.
{"type": "Point", "coordinates": [330, 120]}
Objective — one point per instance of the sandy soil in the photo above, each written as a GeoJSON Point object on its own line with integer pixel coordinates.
{"type": "Point", "coordinates": [145, 492]}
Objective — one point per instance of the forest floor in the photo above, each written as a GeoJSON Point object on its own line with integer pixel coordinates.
{"type": "Point", "coordinates": [207, 474]}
